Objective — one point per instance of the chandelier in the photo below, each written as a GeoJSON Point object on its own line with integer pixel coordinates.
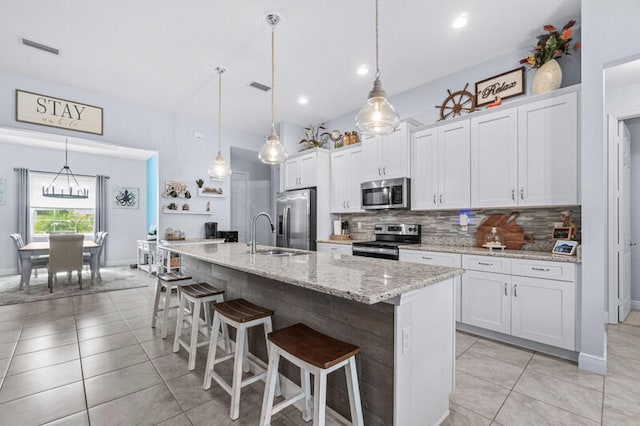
{"type": "Point", "coordinates": [69, 189]}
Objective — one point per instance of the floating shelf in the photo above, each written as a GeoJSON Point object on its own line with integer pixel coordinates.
{"type": "Point", "coordinates": [201, 193]}
{"type": "Point", "coordinates": [168, 211]}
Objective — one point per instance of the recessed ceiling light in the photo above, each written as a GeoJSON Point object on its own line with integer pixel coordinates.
{"type": "Point", "coordinates": [459, 22]}
{"type": "Point", "coordinates": [363, 69]}
{"type": "Point", "coordinates": [303, 100]}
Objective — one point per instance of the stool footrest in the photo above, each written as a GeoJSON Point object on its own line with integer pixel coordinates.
{"type": "Point", "coordinates": [287, 402]}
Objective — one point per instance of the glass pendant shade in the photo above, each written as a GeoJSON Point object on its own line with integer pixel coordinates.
{"type": "Point", "coordinates": [220, 168]}
{"type": "Point", "coordinates": [272, 151]}
{"type": "Point", "coordinates": [377, 116]}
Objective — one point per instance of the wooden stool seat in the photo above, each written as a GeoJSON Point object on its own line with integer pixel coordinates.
{"type": "Point", "coordinates": [312, 346]}
{"type": "Point", "coordinates": [239, 310]}
{"type": "Point", "coordinates": [317, 354]}
{"type": "Point", "coordinates": [197, 296]}
{"type": "Point", "coordinates": [241, 315]}
{"type": "Point", "coordinates": [173, 276]}
{"type": "Point", "coordinates": [200, 290]}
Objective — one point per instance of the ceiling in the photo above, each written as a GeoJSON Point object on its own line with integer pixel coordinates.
{"type": "Point", "coordinates": [162, 53]}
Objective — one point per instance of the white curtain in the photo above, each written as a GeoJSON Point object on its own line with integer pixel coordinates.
{"type": "Point", "coordinates": [102, 204]}
{"type": "Point", "coordinates": [23, 203]}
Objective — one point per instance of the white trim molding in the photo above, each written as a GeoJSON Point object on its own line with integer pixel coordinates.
{"type": "Point", "coordinates": [635, 305]}
{"type": "Point", "coordinates": [595, 364]}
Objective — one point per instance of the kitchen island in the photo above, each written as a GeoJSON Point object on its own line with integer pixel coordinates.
{"type": "Point", "coordinates": [401, 315]}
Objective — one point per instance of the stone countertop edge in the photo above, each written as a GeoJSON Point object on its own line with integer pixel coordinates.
{"type": "Point", "coordinates": [372, 282]}
{"type": "Point", "coordinates": [478, 251]}
{"type": "Point", "coordinates": [345, 242]}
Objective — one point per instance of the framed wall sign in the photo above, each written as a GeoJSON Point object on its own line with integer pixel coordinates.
{"type": "Point", "coordinates": [505, 85]}
{"type": "Point", "coordinates": [125, 198]}
{"type": "Point", "coordinates": [46, 110]}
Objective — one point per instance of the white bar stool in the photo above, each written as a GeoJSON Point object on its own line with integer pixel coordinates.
{"type": "Point", "coordinates": [168, 281]}
{"type": "Point", "coordinates": [317, 354]}
{"type": "Point", "coordinates": [242, 315]}
{"type": "Point", "coordinates": [197, 295]}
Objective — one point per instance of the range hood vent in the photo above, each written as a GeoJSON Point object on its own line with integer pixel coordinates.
{"type": "Point", "coordinates": [40, 46]}
{"type": "Point", "coordinates": [259, 86]}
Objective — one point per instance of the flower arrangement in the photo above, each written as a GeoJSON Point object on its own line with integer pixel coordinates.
{"type": "Point", "coordinates": [551, 45]}
{"type": "Point", "coordinates": [313, 137]}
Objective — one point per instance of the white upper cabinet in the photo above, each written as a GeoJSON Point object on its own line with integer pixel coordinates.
{"type": "Point", "coordinates": [441, 167]}
{"type": "Point", "coordinates": [548, 151]}
{"type": "Point", "coordinates": [494, 159]}
{"type": "Point", "coordinates": [526, 156]}
{"type": "Point", "coordinates": [346, 175]}
{"type": "Point", "coordinates": [387, 157]}
{"type": "Point", "coordinates": [300, 172]}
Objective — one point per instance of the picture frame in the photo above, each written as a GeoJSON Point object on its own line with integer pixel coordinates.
{"type": "Point", "coordinates": [562, 233]}
{"type": "Point", "coordinates": [565, 247]}
{"type": "Point", "coordinates": [506, 85]}
{"type": "Point", "coordinates": [50, 111]}
{"type": "Point", "coordinates": [125, 198]}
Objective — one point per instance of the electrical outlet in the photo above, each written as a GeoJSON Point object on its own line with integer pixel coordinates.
{"type": "Point", "coordinates": [406, 339]}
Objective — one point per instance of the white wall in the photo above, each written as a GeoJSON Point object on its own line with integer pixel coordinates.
{"type": "Point", "coordinates": [124, 225]}
{"type": "Point", "coordinates": [181, 156]}
{"type": "Point", "coordinates": [616, 20]}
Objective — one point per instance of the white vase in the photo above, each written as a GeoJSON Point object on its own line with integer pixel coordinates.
{"type": "Point", "coordinates": [547, 78]}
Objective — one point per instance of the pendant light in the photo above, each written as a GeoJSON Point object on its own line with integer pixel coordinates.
{"type": "Point", "coordinates": [220, 168]}
{"type": "Point", "coordinates": [272, 151]}
{"type": "Point", "coordinates": [72, 191]}
{"type": "Point", "coordinates": [377, 116]}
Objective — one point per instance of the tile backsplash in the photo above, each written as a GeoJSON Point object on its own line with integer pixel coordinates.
{"type": "Point", "coordinates": [441, 227]}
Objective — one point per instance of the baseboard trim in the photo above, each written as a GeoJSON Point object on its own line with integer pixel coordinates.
{"type": "Point", "coordinates": [635, 305]}
{"type": "Point", "coordinates": [595, 364]}
{"type": "Point", "coordinates": [8, 271]}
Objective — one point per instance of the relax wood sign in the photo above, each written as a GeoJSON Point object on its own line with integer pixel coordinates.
{"type": "Point", "coordinates": [55, 112]}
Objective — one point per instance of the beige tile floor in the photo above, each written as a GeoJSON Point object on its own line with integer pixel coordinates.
{"type": "Point", "coordinates": [93, 359]}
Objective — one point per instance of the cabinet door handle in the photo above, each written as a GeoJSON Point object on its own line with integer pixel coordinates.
{"type": "Point", "coordinates": [349, 204]}
{"type": "Point", "coordinates": [434, 199]}
{"type": "Point", "coordinates": [513, 194]}
{"type": "Point", "coordinates": [533, 268]}
{"type": "Point", "coordinates": [441, 198]}
{"type": "Point", "coordinates": [384, 170]}
{"type": "Point", "coordinates": [333, 249]}
{"type": "Point", "coordinates": [515, 290]}
{"type": "Point", "coordinates": [344, 204]}
{"type": "Point", "coordinates": [427, 258]}
{"type": "Point", "coordinates": [506, 289]}
{"type": "Point", "coordinates": [485, 264]}
{"type": "Point", "coordinates": [522, 193]}
{"type": "Point", "coordinates": [379, 174]}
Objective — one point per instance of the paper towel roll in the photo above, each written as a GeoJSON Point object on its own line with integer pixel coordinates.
{"type": "Point", "coordinates": [337, 227]}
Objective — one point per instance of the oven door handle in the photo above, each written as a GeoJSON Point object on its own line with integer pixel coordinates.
{"type": "Point", "coordinates": [375, 250]}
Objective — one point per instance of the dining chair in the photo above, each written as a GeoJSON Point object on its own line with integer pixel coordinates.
{"type": "Point", "coordinates": [36, 261]}
{"type": "Point", "coordinates": [99, 239]}
{"type": "Point", "coordinates": [65, 255]}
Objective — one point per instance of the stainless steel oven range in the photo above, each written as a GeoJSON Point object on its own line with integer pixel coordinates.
{"type": "Point", "coordinates": [389, 236]}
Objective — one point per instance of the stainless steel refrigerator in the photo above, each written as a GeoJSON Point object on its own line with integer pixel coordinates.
{"type": "Point", "coordinates": [296, 212]}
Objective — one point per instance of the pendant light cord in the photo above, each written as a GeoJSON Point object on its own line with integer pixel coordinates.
{"type": "Point", "coordinates": [219, 111]}
{"type": "Point", "coordinates": [377, 44]}
{"type": "Point", "coordinates": [273, 83]}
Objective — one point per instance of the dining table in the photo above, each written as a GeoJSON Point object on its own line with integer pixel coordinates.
{"type": "Point", "coordinates": [42, 247]}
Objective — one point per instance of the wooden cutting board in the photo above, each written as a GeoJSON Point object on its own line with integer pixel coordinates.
{"type": "Point", "coordinates": [513, 236]}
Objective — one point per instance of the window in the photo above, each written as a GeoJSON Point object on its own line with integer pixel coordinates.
{"type": "Point", "coordinates": [60, 214]}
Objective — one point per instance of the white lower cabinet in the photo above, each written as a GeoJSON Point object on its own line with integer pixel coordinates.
{"type": "Point", "coordinates": [436, 258]}
{"type": "Point", "coordinates": [521, 303]}
{"type": "Point", "coordinates": [486, 301]}
{"type": "Point", "coordinates": [334, 248]}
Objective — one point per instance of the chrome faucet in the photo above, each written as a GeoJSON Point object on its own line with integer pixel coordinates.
{"type": "Point", "coordinates": [253, 229]}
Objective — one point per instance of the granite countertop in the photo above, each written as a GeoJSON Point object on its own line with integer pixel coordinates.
{"type": "Point", "coordinates": [515, 254]}
{"type": "Point", "coordinates": [192, 241]}
{"type": "Point", "coordinates": [361, 279]}
{"type": "Point", "coordinates": [345, 242]}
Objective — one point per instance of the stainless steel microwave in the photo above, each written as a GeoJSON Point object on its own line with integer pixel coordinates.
{"type": "Point", "coordinates": [386, 194]}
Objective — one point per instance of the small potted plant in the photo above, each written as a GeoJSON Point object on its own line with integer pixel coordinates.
{"type": "Point", "coordinates": [314, 138]}
{"type": "Point", "coordinates": [550, 46]}
{"type": "Point", "coordinates": [199, 182]}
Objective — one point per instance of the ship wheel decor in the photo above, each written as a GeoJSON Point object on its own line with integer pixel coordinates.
{"type": "Point", "coordinates": [457, 103]}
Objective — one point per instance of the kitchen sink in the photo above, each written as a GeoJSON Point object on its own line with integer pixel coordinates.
{"type": "Point", "coordinates": [281, 253]}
